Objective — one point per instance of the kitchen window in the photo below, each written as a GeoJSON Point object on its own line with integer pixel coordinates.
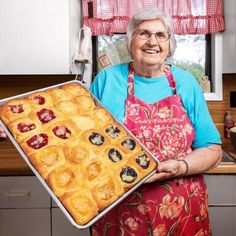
{"type": "Point", "coordinates": [190, 17]}
{"type": "Point", "coordinates": [199, 54]}
{"type": "Point", "coordinates": [192, 53]}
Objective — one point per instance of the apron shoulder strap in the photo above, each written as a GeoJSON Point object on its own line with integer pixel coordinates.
{"type": "Point", "coordinates": [131, 81]}
{"type": "Point", "coordinates": [170, 78]}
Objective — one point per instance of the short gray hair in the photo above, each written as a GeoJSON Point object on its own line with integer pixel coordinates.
{"type": "Point", "coordinates": [152, 14]}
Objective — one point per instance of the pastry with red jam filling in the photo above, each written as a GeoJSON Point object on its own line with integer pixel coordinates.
{"type": "Point", "coordinates": [23, 127]}
{"type": "Point", "coordinates": [14, 109]}
{"type": "Point", "coordinates": [40, 99]}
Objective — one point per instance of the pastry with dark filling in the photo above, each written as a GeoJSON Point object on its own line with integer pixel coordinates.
{"type": "Point", "coordinates": [95, 139]}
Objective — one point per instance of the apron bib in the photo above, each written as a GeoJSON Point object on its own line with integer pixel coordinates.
{"type": "Point", "coordinates": [174, 207]}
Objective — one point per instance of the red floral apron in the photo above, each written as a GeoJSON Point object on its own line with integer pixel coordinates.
{"type": "Point", "coordinates": [173, 207]}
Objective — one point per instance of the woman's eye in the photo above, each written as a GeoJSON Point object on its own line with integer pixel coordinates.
{"type": "Point", "coordinates": [144, 34]}
{"type": "Point", "coordinates": [160, 35]}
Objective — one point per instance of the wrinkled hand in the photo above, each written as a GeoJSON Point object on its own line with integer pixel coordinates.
{"type": "Point", "coordinates": [3, 135]}
{"type": "Point", "coordinates": [167, 170]}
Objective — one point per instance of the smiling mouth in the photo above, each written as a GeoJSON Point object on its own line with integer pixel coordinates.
{"type": "Point", "coordinates": [151, 51]}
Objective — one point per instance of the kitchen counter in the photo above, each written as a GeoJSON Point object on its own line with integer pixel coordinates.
{"type": "Point", "coordinates": [11, 163]}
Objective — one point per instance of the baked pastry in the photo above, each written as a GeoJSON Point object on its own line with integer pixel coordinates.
{"type": "Point", "coordinates": [63, 179]}
{"type": "Point", "coordinates": [129, 145]}
{"type": "Point", "coordinates": [81, 205]}
{"type": "Point", "coordinates": [45, 115]}
{"type": "Point", "coordinates": [94, 169]}
{"type": "Point", "coordinates": [115, 157]}
{"type": "Point", "coordinates": [107, 191]}
{"type": "Point", "coordinates": [95, 139]}
{"type": "Point", "coordinates": [129, 175]}
{"type": "Point", "coordinates": [62, 132]}
{"type": "Point", "coordinates": [102, 117]}
{"type": "Point", "coordinates": [67, 107]}
{"type": "Point", "coordinates": [36, 142]}
{"type": "Point", "coordinates": [14, 109]}
{"type": "Point", "coordinates": [86, 104]}
{"type": "Point", "coordinates": [48, 159]}
{"type": "Point", "coordinates": [77, 153]}
{"type": "Point", "coordinates": [75, 90]}
{"type": "Point", "coordinates": [143, 161]}
{"type": "Point", "coordinates": [83, 122]}
{"type": "Point", "coordinates": [41, 99]}
{"type": "Point", "coordinates": [84, 155]}
{"type": "Point", "coordinates": [23, 127]}
{"type": "Point", "coordinates": [59, 94]}
{"type": "Point", "coordinates": [114, 131]}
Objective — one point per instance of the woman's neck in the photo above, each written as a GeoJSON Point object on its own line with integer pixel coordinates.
{"type": "Point", "coordinates": [148, 72]}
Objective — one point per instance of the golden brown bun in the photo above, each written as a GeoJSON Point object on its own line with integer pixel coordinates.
{"type": "Point", "coordinates": [63, 179]}
{"type": "Point", "coordinates": [93, 169]}
{"type": "Point", "coordinates": [143, 161]}
{"type": "Point", "coordinates": [95, 139]}
{"type": "Point", "coordinates": [67, 107]}
{"type": "Point", "coordinates": [77, 153]}
{"type": "Point", "coordinates": [83, 122]}
{"type": "Point", "coordinates": [128, 145]}
{"type": "Point", "coordinates": [114, 131]}
{"type": "Point", "coordinates": [24, 127]}
{"type": "Point", "coordinates": [114, 157]}
{"type": "Point", "coordinates": [14, 109]}
{"type": "Point", "coordinates": [59, 95]}
{"type": "Point", "coordinates": [86, 104]}
{"type": "Point", "coordinates": [107, 190]}
{"type": "Point", "coordinates": [62, 132]}
{"type": "Point", "coordinates": [129, 175]}
{"type": "Point", "coordinates": [102, 117]}
{"type": "Point", "coordinates": [81, 205]}
{"type": "Point", "coordinates": [45, 116]}
{"type": "Point", "coordinates": [75, 90]}
{"type": "Point", "coordinates": [40, 99]}
{"type": "Point", "coordinates": [48, 159]}
{"type": "Point", "coordinates": [36, 142]}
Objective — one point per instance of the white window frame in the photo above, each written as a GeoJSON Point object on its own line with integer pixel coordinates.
{"type": "Point", "coordinates": [216, 65]}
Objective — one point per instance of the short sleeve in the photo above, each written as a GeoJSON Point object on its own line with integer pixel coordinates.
{"type": "Point", "coordinates": [206, 132]}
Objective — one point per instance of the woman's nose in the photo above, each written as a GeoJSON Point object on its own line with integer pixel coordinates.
{"type": "Point", "coordinates": [152, 41]}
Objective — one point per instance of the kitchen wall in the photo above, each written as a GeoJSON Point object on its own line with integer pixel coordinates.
{"type": "Point", "coordinates": [219, 108]}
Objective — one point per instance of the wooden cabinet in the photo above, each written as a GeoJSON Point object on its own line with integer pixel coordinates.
{"type": "Point", "coordinates": [229, 37]}
{"type": "Point", "coordinates": [222, 204]}
{"type": "Point", "coordinates": [61, 226]}
{"type": "Point", "coordinates": [24, 207]}
{"type": "Point", "coordinates": [25, 222]}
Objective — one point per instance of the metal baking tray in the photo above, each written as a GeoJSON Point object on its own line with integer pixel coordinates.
{"type": "Point", "coordinates": [57, 201]}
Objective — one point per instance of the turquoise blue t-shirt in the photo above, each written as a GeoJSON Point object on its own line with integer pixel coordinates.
{"type": "Point", "coordinates": [110, 87]}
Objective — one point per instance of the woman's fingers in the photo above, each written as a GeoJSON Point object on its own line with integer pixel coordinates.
{"type": "Point", "coordinates": [167, 170]}
{"type": "Point", "coordinates": [2, 133]}
{"type": "Point", "coordinates": [159, 177]}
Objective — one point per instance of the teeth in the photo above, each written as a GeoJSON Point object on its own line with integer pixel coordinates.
{"type": "Point", "coordinates": [150, 51]}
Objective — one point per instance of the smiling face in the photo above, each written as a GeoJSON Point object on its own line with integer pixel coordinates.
{"type": "Point", "coordinates": [149, 54]}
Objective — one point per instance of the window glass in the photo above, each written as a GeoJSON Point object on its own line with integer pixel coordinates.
{"type": "Point", "coordinates": [190, 53]}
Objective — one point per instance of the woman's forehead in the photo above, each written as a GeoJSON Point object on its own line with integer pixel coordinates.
{"type": "Point", "coordinates": [157, 24]}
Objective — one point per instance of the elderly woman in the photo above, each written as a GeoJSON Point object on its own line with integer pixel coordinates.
{"type": "Point", "coordinates": [164, 107]}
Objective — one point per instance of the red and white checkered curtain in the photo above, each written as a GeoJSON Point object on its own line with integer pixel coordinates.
{"type": "Point", "coordinates": [189, 16]}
